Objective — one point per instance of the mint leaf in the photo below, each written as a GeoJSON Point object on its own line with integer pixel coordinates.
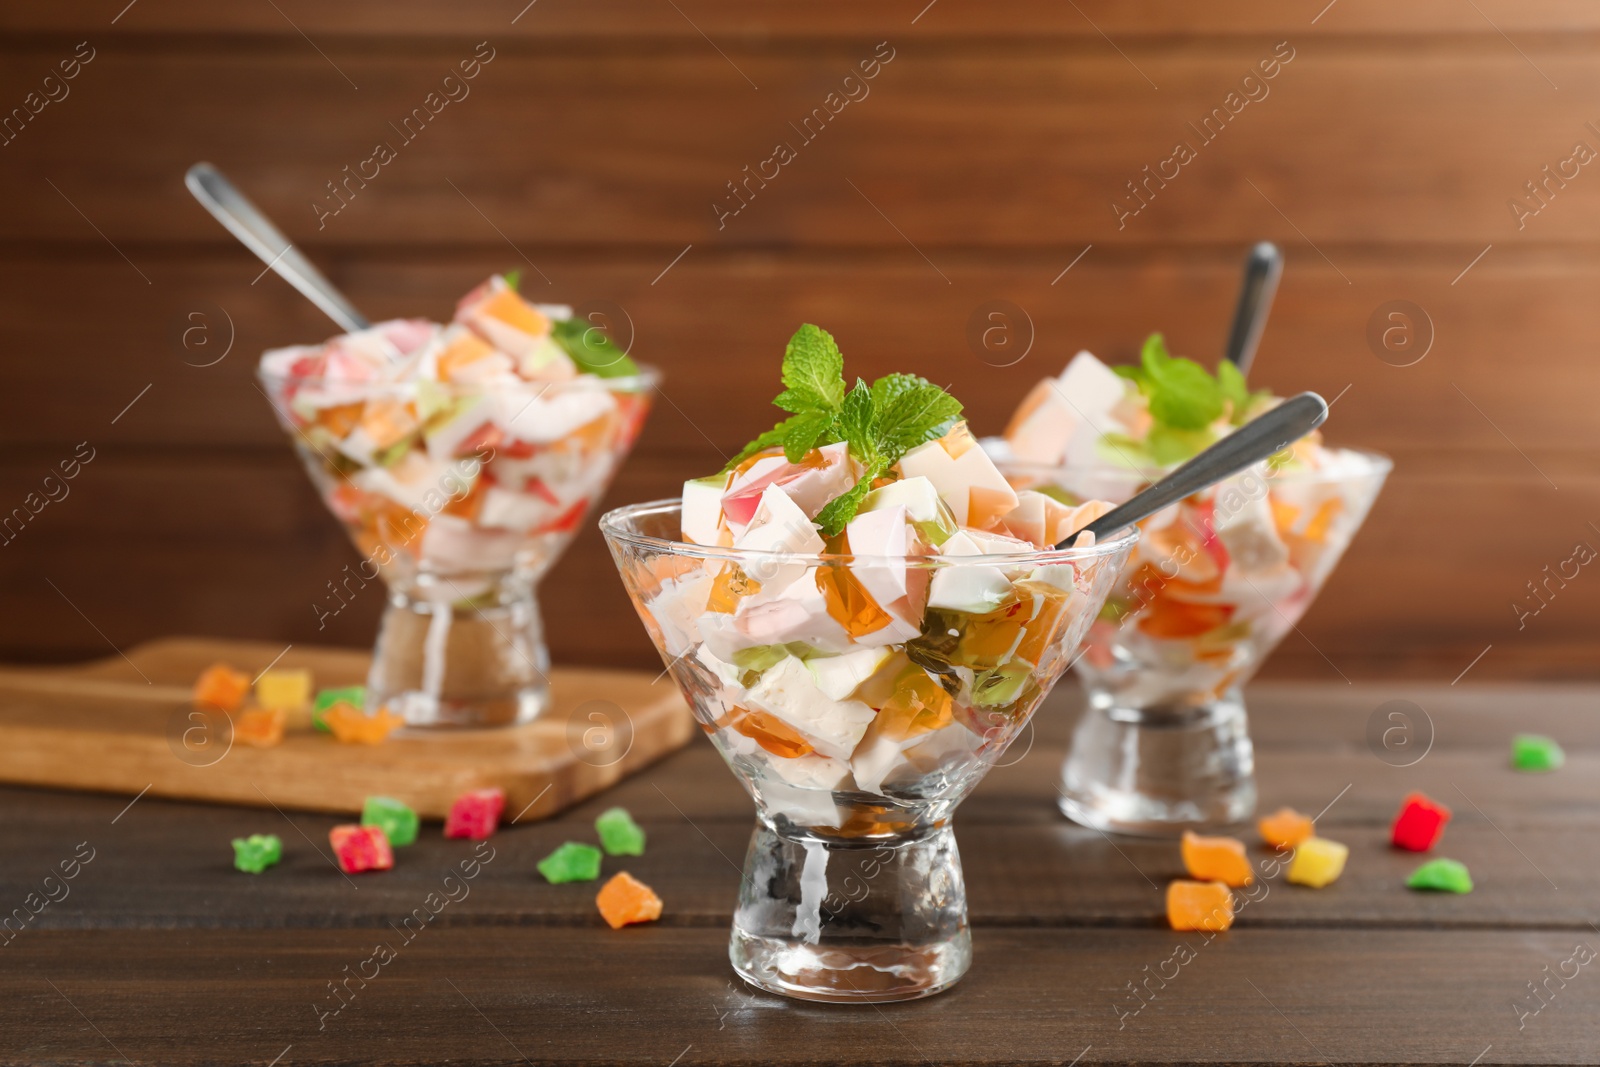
{"type": "Point", "coordinates": [813, 372]}
{"type": "Point", "coordinates": [911, 411]}
{"type": "Point", "coordinates": [1182, 394]}
{"type": "Point", "coordinates": [512, 278]}
{"type": "Point", "coordinates": [591, 349]}
{"type": "Point", "coordinates": [857, 423]}
{"type": "Point", "coordinates": [1234, 390]}
{"type": "Point", "coordinates": [800, 433]}
{"type": "Point", "coordinates": [1167, 445]}
{"type": "Point", "coordinates": [841, 509]}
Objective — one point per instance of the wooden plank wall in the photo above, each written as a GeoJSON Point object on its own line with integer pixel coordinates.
{"type": "Point", "coordinates": [982, 160]}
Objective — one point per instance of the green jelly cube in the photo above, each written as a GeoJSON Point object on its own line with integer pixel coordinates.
{"type": "Point", "coordinates": [1533, 752]}
{"type": "Point", "coordinates": [257, 852]}
{"type": "Point", "coordinates": [354, 695]}
{"type": "Point", "coordinates": [398, 822]}
{"type": "Point", "coordinates": [619, 834]}
{"type": "Point", "coordinates": [1444, 876]}
{"type": "Point", "coordinates": [571, 862]}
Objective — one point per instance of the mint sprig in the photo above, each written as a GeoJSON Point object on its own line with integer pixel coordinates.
{"type": "Point", "coordinates": [591, 349]}
{"type": "Point", "coordinates": [880, 422]}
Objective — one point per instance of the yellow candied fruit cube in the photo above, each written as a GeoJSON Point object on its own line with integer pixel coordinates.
{"type": "Point", "coordinates": [1199, 905]}
{"type": "Point", "coordinates": [287, 690]}
{"type": "Point", "coordinates": [1317, 862]}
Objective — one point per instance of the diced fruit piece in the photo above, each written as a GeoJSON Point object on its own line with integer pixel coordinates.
{"type": "Point", "coordinates": [285, 689]}
{"type": "Point", "coordinates": [625, 900]}
{"type": "Point", "coordinates": [397, 821]}
{"type": "Point", "coordinates": [476, 813]}
{"type": "Point", "coordinates": [619, 834]}
{"type": "Point", "coordinates": [702, 509]}
{"type": "Point", "coordinates": [1216, 859]}
{"type": "Point", "coordinates": [257, 852]}
{"type": "Point", "coordinates": [1285, 828]}
{"type": "Point", "coordinates": [1534, 752]}
{"type": "Point", "coordinates": [1420, 823]}
{"type": "Point", "coordinates": [572, 862]}
{"type": "Point", "coordinates": [1442, 875]}
{"type": "Point", "coordinates": [260, 727]}
{"type": "Point", "coordinates": [966, 478]}
{"type": "Point", "coordinates": [220, 686]}
{"type": "Point", "coordinates": [361, 848]}
{"type": "Point", "coordinates": [354, 695]}
{"type": "Point", "coordinates": [354, 727]}
{"type": "Point", "coordinates": [1317, 862]}
{"type": "Point", "coordinates": [1199, 905]}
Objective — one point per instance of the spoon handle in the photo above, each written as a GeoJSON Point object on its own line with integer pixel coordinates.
{"type": "Point", "coordinates": [1251, 443]}
{"type": "Point", "coordinates": [246, 222]}
{"type": "Point", "coordinates": [1262, 269]}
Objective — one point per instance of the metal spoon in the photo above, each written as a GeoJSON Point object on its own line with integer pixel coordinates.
{"type": "Point", "coordinates": [1262, 269]}
{"type": "Point", "coordinates": [1251, 443]}
{"type": "Point", "coordinates": [253, 229]}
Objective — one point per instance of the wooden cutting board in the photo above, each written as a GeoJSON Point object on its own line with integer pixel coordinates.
{"type": "Point", "coordinates": [125, 724]}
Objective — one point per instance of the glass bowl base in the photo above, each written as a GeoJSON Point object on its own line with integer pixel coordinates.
{"type": "Point", "coordinates": [868, 973]}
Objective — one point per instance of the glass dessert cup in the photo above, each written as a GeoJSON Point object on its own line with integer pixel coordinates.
{"type": "Point", "coordinates": [852, 889]}
{"type": "Point", "coordinates": [1211, 588]}
{"type": "Point", "coordinates": [467, 497]}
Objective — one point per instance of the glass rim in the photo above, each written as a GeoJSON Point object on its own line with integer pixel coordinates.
{"type": "Point", "coordinates": [617, 525]}
{"type": "Point", "coordinates": [648, 377]}
{"type": "Point", "coordinates": [1377, 463]}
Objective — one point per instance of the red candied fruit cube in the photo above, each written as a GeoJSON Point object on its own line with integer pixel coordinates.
{"type": "Point", "coordinates": [361, 848]}
{"type": "Point", "coordinates": [475, 813]}
{"type": "Point", "coordinates": [1420, 823]}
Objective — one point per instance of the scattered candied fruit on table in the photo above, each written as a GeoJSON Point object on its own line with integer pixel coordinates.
{"type": "Point", "coordinates": [619, 834]}
{"type": "Point", "coordinates": [1199, 905]}
{"type": "Point", "coordinates": [572, 862]}
{"type": "Point", "coordinates": [353, 695]}
{"type": "Point", "coordinates": [1286, 828]}
{"type": "Point", "coordinates": [1317, 862]}
{"type": "Point", "coordinates": [257, 852]}
{"type": "Point", "coordinates": [260, 727]}
{"type": "Point", "coordinates": [220, 686]}
{"type": "Point", "coordinates": [361, 848]}
{"type": "Point", "coordinates": [625, 900]}
{"type": "Point", "coordinates": [285, 690]}
{"type": "Point", "coordinates": [1216, 859]}
{"type": "Point", "coordinates": [1441, 875]}
{"type": "Point", "coordinates": [397, 821]}
{"type": "Point", "coordinates": [355, 727]}
{"type": "Point", "coordinates": [1535, 752]}
{"type": "Point", "coordinates": [475, 813]}
{"type": "Point", "coordinates": [1420, 823]}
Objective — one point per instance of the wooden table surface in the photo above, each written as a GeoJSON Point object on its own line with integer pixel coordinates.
{"type": "Point", "coordinates": [160, 952]}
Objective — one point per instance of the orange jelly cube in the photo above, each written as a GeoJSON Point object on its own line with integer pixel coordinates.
{"type": "Point", "coordinates": [1216, 859]}
{"type": "Point", "coordinates": [354, 727]}
{"type": "Point", "coordinates": [771, 733]}
{"type": "Point", "coordinates": [625, 900]}
{"type": "Point", "coordinates": [918, 705]}
{"type": "Point", "coordinates": [1285, 828]}
{"type": "Point", "coordinates": [847, 600]}
{"type": "Point", "coordinates": [260, 727]}
{"type": "Point", "coordinates": [1199, 905]}
{"type": "Point", "coordinates": [220, 686]}
{"type": "Point", "coordinates": [510, 308]}
{"type": "Point", "coordinates": [730, 586]}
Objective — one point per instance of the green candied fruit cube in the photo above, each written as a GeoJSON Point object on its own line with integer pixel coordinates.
{"type": "Point", "coordinates": [257, 852]}
{"type": "Point", "coordinates": [1441, 875]}
{"type": "Point", "coordinates": [1534, 752]}
{"type": "Point", "coordinates": [398, 822]}
{"type": "Point", "coordinates": [619, 834]}
{"type": "Point", "coordinates": [571, 862]}
{"type": "Point", "coordinates": [354, 695]}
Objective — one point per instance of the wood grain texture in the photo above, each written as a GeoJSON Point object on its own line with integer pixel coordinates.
{"type": "Point", "coordinates": [121, 727]}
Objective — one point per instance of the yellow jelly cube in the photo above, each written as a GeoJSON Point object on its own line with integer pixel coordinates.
{"type": "Point", "coordinates": [1317, 862]}
{"type": "Point", "coordinates": [284, 690]}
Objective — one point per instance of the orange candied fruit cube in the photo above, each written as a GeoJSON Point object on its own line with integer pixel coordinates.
{"type": "Point", "coordinates": [625, 900]}
{"type": "Point", "coordinates": [510, 308]}
{"type": "Point", "coordinates": [355, 727]}
{"type": "Point", "coordinates": [1199, 905]}
{"type": "Point", "coordinates": [1216, 859]}
{"type": "Point", "coordinates": [220, 686]}
{"type": "Point", "coordinates": [260, 727]}
{"type": "Point", "coordinates": [1285, 828]}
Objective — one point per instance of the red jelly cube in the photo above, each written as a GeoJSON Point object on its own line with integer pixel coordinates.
{"type": "Point", "coordinates": [475, 814]}
{"type": "Point", "coordinates": [361, 848]}
{"type": "Point", "coordinates": [1420, 823]}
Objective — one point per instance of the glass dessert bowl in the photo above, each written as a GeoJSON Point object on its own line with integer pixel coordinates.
{"type": "Point", "coordinates": [461, 460]}
{"type": "Point", "coordinates": [1213, 585]}
{"type": "Point", "coordinates": [861, 633]}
